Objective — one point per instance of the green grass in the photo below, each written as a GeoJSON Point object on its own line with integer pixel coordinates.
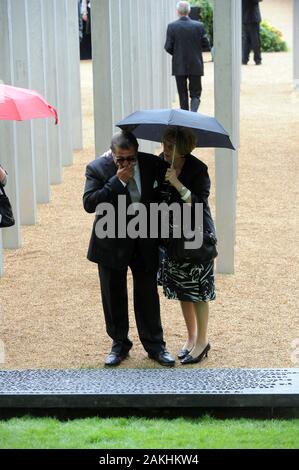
{"type": "Point", "coordinates": [141, 433]}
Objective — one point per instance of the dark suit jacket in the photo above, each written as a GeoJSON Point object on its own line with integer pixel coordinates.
{"type": "Point", "coordinates": [185, 41]}
{"type": "Point", "coordinates": [251, 11]}
{"type": "Point", "coordinates": [102, 185]}
{"type": "Point", "coordinates": [195, 177]}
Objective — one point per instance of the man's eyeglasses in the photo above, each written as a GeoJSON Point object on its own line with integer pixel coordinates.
{"type": "Point", "coordinates": [130, 158]}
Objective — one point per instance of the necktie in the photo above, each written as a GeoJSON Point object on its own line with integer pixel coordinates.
{"type": "Point", "coordinates": [133, 190]}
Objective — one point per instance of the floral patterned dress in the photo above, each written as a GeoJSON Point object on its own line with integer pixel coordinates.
{"type": "Point", "coordinates": [184, 280]}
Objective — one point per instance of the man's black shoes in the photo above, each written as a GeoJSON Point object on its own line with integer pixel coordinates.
{"type": "Point", "coordinates": [164, 358]}
{"type": "Point", "coordinates": [114, 359]}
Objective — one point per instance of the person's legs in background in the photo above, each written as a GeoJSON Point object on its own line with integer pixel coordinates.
{"type": "Point", "coordinates": [181, 82]}
{"type": "Point", "coordinates": [195, 89]}
{"type": "Point", "coordinates": [256, 42]}
{"type": "Point", "coordinates": [246, 43]}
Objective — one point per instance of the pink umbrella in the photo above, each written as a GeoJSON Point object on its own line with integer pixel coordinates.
{"type": "Point", "coordinates": [19, 104]}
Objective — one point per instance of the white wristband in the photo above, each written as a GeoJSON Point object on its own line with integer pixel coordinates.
{"type": "Point", "coordinates": [186, 195]}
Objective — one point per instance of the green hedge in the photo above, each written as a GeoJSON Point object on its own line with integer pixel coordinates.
{"type": "Point", "coordinates": [271, 38]}
{"type": "Point", "coordinates": [206, 14]}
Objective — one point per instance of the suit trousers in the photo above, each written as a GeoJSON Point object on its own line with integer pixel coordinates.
{"type": "Point", "coordinates": [195, 89]}
{"type": "Point", "coordinates": [251, 41]}
{"type": "Point", "coordinates": [146, 306]}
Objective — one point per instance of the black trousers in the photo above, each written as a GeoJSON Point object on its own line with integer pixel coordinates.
{"type": "Point", "coordinates": [251, 41]}
{"type": "Point", "coordinates": [85, 43]}
{"type": "Point", "coordinates": [146, 306]}
{"type": "Point", "coordinates": [195, 90]}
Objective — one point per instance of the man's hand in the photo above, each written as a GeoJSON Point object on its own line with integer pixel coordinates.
{"type": "Point", "coordinates": [126, 173]}
{"type": "Point", "coordinates": [85, 17]}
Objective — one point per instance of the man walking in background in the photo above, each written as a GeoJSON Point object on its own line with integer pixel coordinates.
{"type": "Point", "coordinates": [185, 41]}
{"type": "Point", "coordinates": [251, 18]}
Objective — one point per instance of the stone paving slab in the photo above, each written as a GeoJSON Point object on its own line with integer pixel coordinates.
{"type": "Point", "coordinates": [149, 388]}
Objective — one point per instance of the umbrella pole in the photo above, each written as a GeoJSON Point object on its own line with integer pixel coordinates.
{"type": "Point", "coordinates": [174, 148]}
{"type": "Point", "coordinates": [173, 155]}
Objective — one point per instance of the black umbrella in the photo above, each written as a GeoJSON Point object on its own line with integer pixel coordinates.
{"type": "Point", "coordinates": [150, 124]}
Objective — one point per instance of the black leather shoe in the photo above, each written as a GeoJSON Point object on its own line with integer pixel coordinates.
{"type": "Point", "coordinates": [183, 353]}
{"type": "Point", "coordinates": [114, 359]}
{"type": "Point", "coordinates": [193, 360]}
{"type": "Point", "coordinates": [164, 358]}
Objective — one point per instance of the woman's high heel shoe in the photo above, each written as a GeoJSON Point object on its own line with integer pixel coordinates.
{"type": "Point", "coordinates": [183, 353]}
{"type": "Point", "coordinates": [193, 360]}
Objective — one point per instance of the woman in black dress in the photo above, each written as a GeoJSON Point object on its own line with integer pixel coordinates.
{"type": "Point", "coordinates": [187, 181]}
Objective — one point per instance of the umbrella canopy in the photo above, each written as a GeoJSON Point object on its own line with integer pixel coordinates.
{"type": "Point", "coordinates": [150, 124]}
{"type": "Point", "coordinates": [20, 104]}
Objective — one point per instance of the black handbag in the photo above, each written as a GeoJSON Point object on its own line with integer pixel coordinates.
{"type": "Point", "coordinates": [207, 252]}
{"type": "Point", "coordinates": [6, 215]}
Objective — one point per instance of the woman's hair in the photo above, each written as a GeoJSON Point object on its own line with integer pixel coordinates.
{"type": "Point", "coordinates": [184, 138]}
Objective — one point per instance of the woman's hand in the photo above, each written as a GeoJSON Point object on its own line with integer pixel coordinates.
{"type": "Point", "coordinates": [171, 177]}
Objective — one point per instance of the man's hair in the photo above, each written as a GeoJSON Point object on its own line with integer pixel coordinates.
{"type": "Point", "coordinates": [124, 140]}
{"type": "Point", "coordinates": [184, 139]}
{"type": "Point", "coordinates": [183, 8]}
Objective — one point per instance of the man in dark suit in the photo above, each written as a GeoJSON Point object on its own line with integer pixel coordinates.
{"type": "Point", "coordinates": [185, 41]}
{"type": "Point", "coordinates": [251, 18]}
{"type": "Point", "coordinates": [123, 171]}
